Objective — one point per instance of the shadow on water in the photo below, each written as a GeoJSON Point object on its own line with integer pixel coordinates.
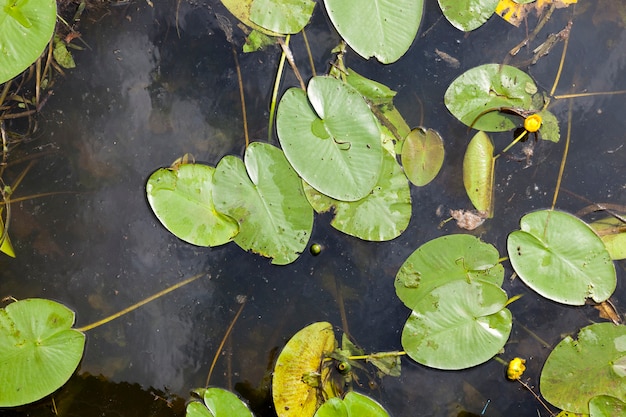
{"type": "Point", "coordinates": [142, 97]}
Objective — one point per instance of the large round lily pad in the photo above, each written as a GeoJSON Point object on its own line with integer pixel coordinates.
{"type": "Point", "coordinates": [477, 95]}
{"type": "Point", "coordinates": [266, 198]}
{"type": "Point", "coordinates": [384, 29]}
{"type": "Point", "coordinates": [383, 215]}
{"type": "Point", "coordinates": [578, 370]}
{"type": "Point", "coordinates": [331, 138]}
{"type": "Point", "coordinates": [39, 350]}
{"type": "Point", "coordinates": [182, 199]}
{"type": "Point", "coordinates": [458, 325]}
{"type": "Point", "coordinates": [445, 259]}
{"type": "Point", "coordinates": [560, 257]}
{"type": "Point", "coordinates": [299, 374]}
{"type": "Point", "coordinates": [26, 27]}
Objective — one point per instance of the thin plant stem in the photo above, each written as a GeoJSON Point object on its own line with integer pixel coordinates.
{"type": "Point", "coordinates": [292, 62]}
{"type": "Point", "coordinates": [600, 93]}
{"type": "Point", "coordinates": [139, 304]}
{"type": "Point", "coordinates": [221, 346]}
{"type": "Point", "coordinates": [242, 98]}
{"type": "Point", "coordinates": [538, 398]}
{"type": "Point", "coordinates": [517, 139]}
{"type": "Point", "coordinates": [308, 51]}
{"type": "Point", "coordinates": [561, 63]}
{"type": "Point", "coordinates": [564, 159]}
{"type": "Point", "coordinates": [377, 355]}
{"type": "Point", "coordinates": [279, 75]}
{"type": "Point", "coordinates": [532, 35]}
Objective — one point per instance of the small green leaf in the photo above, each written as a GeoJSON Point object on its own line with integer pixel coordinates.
{"type": "Point", "coordinates": [478, 175]}
{"type": "Point", "coordinates": [282, 16]}
{"type": "Point", "coordinates": [422, 155]}
{"type": "Point", "coordinates": [561, 258]}
{"type": "Point", "coordinates": [549, 127]}
{"type": "Point", "coordinates": [612, 231]}
{"type": "Point", "coordinates": [467, 15]}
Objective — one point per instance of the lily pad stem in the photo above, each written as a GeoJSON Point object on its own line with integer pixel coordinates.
{"type": "Point", "coordinates": [279, 75]}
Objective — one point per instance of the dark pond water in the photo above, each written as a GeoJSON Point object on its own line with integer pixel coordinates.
{"type": "Point", "coordinates": [155, 85]}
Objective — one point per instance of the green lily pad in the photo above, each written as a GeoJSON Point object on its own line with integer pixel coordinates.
{"type": "Point", "coordinates": [352, 405]}
{"type": "Point", "coordinates": [39, 350]}
{"type": "Point", "coordinates": [218, 402]}
{"type": "Point", "coordinates": [282, 16]}
{"type": "Point", "coordinates": [579, 370]}
{"type": "Point", "coordinates": [458, 325]}
{"type": "Point", "coordinates": [560, 257]}
{"type": "Point", "coordinates": [331, 138]}
{"type": "Point", "coordinates": [265, 196]}
{"type": "Point", "coordinates": [478, 171]}
{"type": "Point", "coordinates": [380, 28]}
{"type": "Point", "coordinates": [26, 27]}
{"type": "Point", "coordinates": [606, 406]}
{"type": "Point", "coordinates": [612, 233]}
{"type": "Point", "coordinates": [446, 259]}
{"type": "Point", "coordinates": [373, 91]}
{"type": "Point", "coordinates": [241, 10]}
{"type": "Point", "coordinates": [468, 15]}
{"type": "Point", "coordinates": [549, 127]}
{"type": "Point", "coordinates": [422, 155]}
{"type": "Point", "coordinates": [182, 200]}
{"type": "Point", "coordinates": [472, 95]}
{"type": "Point", "coordinates": [383, 215]}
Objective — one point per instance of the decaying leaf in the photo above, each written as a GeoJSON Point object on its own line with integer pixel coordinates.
{"type": "Point", "coordinates": [515, 13]}
{"type": "Point", "coordinates": [469, 219]}
{"type": "Point", "coordinates": [608, 311]}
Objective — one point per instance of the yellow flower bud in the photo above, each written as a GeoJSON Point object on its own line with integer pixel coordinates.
{"type": "Point", "coordinates": [532, 123]}
{"type": "Point", "coordinates": [516, 368]}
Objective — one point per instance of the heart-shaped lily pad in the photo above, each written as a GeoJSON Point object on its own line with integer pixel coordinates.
{"type": "Point", "coordinates": [266, 198]}
{"type": "Point", "coordinates": [331, 138]}
{"type": "Point", "coordinates": [458, 325]}
{"type": "Point", "coordinates": [560, 257]}
{"type": "Point", "coordinates": [182, 199]}
{"type": "Point", "coordinates": [39, 350]}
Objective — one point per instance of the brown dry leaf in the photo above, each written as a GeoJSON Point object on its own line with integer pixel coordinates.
{"type": "Point", "coordinates": [515, 13]}
{"type": "Point", "coordinates": [608, 311]}
{"type": "Point", "coordinates": [468, 219]}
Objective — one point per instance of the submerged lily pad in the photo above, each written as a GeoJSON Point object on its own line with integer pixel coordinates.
{"type": "Point", "coordinates": [458, 325]}
{"type": "Point", "coordinates": [299, 375]}
{"type": "Point", "coordinates": [182, 200]}
{"type": "Point", "coordinates": [39, 351]}
{"type": "Point", "coordinates": [468, 15]}
{"type": "Point", "coordinates": [446, 259]}
{"type": "Point", "coordinates": [383, 215]}
{"type": "Point", "coordinates": [422, 155]}
{"type": "Point", "coordinates": [477, 95]}
{"type": "Point", "coordinates": [380, 28]}
{"type": "Point", "coordinates": [352, 405]}
{"type": "Point", "coordinates": [331, 138]}
{"type": "Point", "coordinates": [26, 27]}
{"type": "Point", "coordinates": [561, 258]}
{"type": "Point", "coordinates": [265, 197]}
{"type": "Point", "coordinates": [579, 370]}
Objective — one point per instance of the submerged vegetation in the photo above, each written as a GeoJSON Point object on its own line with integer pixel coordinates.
{"type": "Point", "coordinates": [346, 149]}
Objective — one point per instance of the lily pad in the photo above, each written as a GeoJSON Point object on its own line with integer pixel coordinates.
{"type": "Point", "coordinates": [579, 370]}
{"type": "Point", "coordinates": [352, 405]}
{"type": "Point", "coordinates": [477, 95]}
{"type": "Point", "coordinates": [422, 155]}
{"type": "Point", "coordinates": [445, 259]}
{"type": "Point", "coordinates": [458, 325]}
{"type": "Point", "coordinates": [282, 16]}
{"type": "Point", "coordinates": [39, 351]}
{"type": "Point", "coordinates": [380, 28]}
{"type": "Point", "coordinates": [265, 197]}
{"type": "Point", "coordinates": [606, 406]}
{"type": "Point", "coordinates": [468, 15]}
{"type": "Point", "coordinates": [561, 258]}
{"type": "Point", "coordinates": [549, 127]}
{"type": "Point", "coordinates": [383, 215]}
{"type": "Point", "coordinates": [182, 200]}
{"type": "Point", "coordinates": [478, 171]}
{"type": "Point", "coordinates": [331, 138]}
{"type": "Point", "coordinates": [26, 27]}
{"type": "Point", "coordinates": [241, 10]}
{"type": "Point", "coordinates": [218, 402]}
{"type": "Point", "coordinates": [299, 375]}
{"type": "Point", "coordinates": [611, 231]}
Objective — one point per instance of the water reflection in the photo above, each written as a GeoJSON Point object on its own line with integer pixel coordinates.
{"type": "Point", "coordinates": [143, 97]}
